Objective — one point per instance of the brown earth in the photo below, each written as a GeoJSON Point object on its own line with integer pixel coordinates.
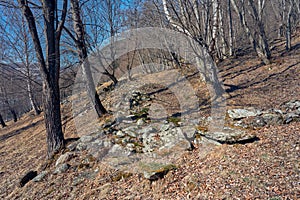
{"type": "Point", "coordinates": [265, 169]}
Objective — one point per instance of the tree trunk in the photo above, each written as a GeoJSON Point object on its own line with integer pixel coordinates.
{"type": "Point", "coordinates": [14, 114]}
{"type": "Point", "coordinates": [288, 34]}
{"type": "Point", "coordinates": [27, 66]}
{"type": "Point", "coordinates": [263, 41]}
{"type": "Point", "coordinates": [241, 13]}
{"type": "Point", "coordinates": [31, 98]}
{"type": "Point", "coordinates": [2, 121]}
{"type": "Point", "coordinates": [51, 102]}
{"type": "Point", "coordinates": [49, 69]}
{"type": "Point", "coordinates": [82, 52]}
{"type": "Point", "coordinates": [215, 26]}
{"type": "Point", "coordinates": [222, 35]}
{"type": "Point", "coordinates": [230, 33]}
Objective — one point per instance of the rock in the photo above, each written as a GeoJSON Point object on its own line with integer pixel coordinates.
{"type": "Point", "coordinates": [155, 171]}
{"type": "Point", "coordinates": [140, 122]}
{"type": "Point", "coordinates": [205, 141]}
{"type": "Point", "coordinates": [292, 105]}
{"type": "Point", "coordinates": [77, 181]}
{"type": "Point", "coordinates": [230, 136]}
{"type": "Point", "coordinates": [272, 118]}
{"type": "Point", "coordinates": [171, 139]}
{"type": "Point", "coordinates": [109, 124]}
{"type": "Point", "coordinates": [147, 130]}
{"type": "Point", "coordinates": [166, 127]}
{"type": "Point", "coordinates": [120, 134]}
{"type": "Point", "coordinates": [130, 146]}
{"type": "Point", "coordinates": [81, 146]}
{"type": "Point", "coordinates": [131, 131]}
{"type": "Point", "coordinates": [118, 150]}
{"type": "Point", "coordinates": [131, 134]}
{"type": "Point", "coordinates": [61, 168]}
{"type": "Point", "coordinates": [258, 122]}
{"type": "Point", "coordinates": [27, 177]}
{"type": "Point", "coordinates": [243, 113]}
{"type": "Point", "coordinates": [86, 138]}
{"type": "Point", "coordinates": [72, 146]}
{"type": "Point", "coordinates": [40, 177]}
{"type": "Point", "coordinates": [289, 117]}
{"type": "Point", "coordinates": [64, 158]}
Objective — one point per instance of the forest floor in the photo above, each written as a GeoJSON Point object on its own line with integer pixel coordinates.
{"type": "Point", "coordinates": [265, 169]}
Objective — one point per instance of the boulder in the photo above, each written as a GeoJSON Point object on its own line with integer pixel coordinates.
{"type": "Point", "coordinates": [64, 158]}
{"type": "Point", "coordinates": [154, 171]}
{"type": "Point", "coordinates": [230, 136]}
{"type": "Point", "coordinates": [239, 113]}
{"type": "Point", "coordinates": [40, 177]}
{"type": "Point", "coordinates": [61, 168]}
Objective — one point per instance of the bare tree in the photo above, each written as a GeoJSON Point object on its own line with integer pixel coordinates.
{"type": "Point", "coordinates": [83, 57]}
{"type": "Point", "coordinates": [20, 57]}
{"type": "Point", "coordinates": [49, 66]}
{"type": "Point", "coordinates": [263, 52]}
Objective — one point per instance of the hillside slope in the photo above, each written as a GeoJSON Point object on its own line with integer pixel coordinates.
{"type": "Point", "coordinates": [265, 169]}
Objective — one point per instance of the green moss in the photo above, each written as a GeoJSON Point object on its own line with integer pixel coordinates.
{"type": "Point", "coordinates": [174, 120]}
{"type": "Point", "coordinates": [143, 113]}
{"type": "Point", "coordinates": [157, 167]}
{"type": "Point", "coordinates": [121, 175]}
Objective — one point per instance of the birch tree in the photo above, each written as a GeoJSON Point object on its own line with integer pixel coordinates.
{"type": "Point", "coordinates": [83, 57]}
{"type": "Point", "coordinates": [21, 53]}
{"type": "Point", "coordinates": [262, 53]}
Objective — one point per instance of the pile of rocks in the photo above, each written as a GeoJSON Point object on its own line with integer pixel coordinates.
{"type": "Point", "coordinates": [120, 143]}
{"type": "Point", "coordinates": [253, 118]}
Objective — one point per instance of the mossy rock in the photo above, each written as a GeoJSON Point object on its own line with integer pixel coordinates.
{"type": "Point", "coordinates": [121, 175]}
{"type": "Point", "coordinates": [154, 171]}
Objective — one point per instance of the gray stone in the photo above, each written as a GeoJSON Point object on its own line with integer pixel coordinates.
{"type": "Point", "coordinates": [147, 130]}
{"type": "Point", "coordinates": [272, 118]}
{"type": "Point", "coordinates": [86, 138]}
{"type": "Point", "coordinates": [258, 122]}
{"type": "Point", "coordinates": [155, 171]}
{"type": "Point", "coordinates": [61, 168]}
{"type": "Point", "coordinates": [64, 158]}
{"type": "Point", "coordinates": [140, 122]}
{"type": "Point", "coordinates": [109, 124]}
{"type": "Point", "coordinates": [40, 177]}
{"type": "Point", "coordinates": [243, 113]}
{"type": "Point", "coordinates": [130, 146]}
{"type": "Point", "coordinates": [229, 135]}
{"type": "Point", "coordinates": [288, 118]}
{"type": "Point", "coordinates": [131, 131]}
{"type": "Point", "coordinates": [205, 141]}
{"type": "Point", "coordinates": [131, 134]}
{"type": "Point", "coordinates": [293, 104]}
{"type": "Point", "coordinates": [81, 146]}
{"type": "Point", "coordinates": [166, 127]}
{"type": "Point", "coordinates": [120, 134]}
{"type": "Point", "coordinates": [72, 146]}
{"type": "Point", "coordinates": [125, 140]}
{"type": "Point", "coordinates": [118, 150]}
{"type": "Point", "coordinates": [77, 181]}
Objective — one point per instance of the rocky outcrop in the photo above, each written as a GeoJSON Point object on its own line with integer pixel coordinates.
{"type": "Point", "coordinates": [253, 118]}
